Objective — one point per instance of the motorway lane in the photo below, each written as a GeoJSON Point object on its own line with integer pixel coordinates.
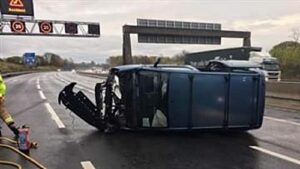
{"type": "Point", "coordinates": [27, 107]}
{"type": "Point", "coordinates": [77, 142]}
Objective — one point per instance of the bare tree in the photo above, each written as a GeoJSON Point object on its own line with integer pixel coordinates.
{"type": "Point", "coordinates": [295, 35]}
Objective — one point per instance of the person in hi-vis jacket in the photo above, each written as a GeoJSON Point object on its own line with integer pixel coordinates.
{"type": "Point", "coordinates": [4, 114]}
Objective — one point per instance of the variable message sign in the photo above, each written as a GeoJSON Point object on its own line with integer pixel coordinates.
{"type": "Point", "coordinates": [179, 26]}
{"type": "Point", "coordinates": [33, 27]}
{"type": "Point", "coordinates": [17, 7]}
{"type": "Point", "coordinates": [71, 28]}
{"type": "Point", "coordinates": [17, 26]}
{"type": "Point", "coordinates": [45, 27]}
{"type": "Point", "coordinates": [94, 29]}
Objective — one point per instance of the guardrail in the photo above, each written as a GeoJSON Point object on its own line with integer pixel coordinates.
{"type": "Point", "coordinates": [284, 90]}
{"type": "Point", "coordinates": [96, 75]}
{"type": "Point", "coordinates": [6, 75]}
{"type": "Point", "coordinates": [280, 90]}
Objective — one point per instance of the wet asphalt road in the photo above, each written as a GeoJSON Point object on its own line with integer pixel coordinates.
{"type": "Point", "coordinates": [275, 146]}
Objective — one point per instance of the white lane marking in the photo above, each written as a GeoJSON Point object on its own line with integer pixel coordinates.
{"type": "Point", "coordinates": [87, 165]}
{"type": "Point", "coordinates": [42, 95]}
{"type": "Point", "coordinates": [282, 121]}
{"type": "Point", "coordinates": [38, 86]}
{"type": "Point", "coordinates": [281, 156]}
{"type": "Point", "coordinates": [54, 116]}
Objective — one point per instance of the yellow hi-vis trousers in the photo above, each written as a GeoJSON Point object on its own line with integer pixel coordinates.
{"type": "Point", "coordinates": [4, 114]}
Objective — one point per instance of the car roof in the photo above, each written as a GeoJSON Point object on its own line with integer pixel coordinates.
{"type": "Point", "coordinates": [237, 63]}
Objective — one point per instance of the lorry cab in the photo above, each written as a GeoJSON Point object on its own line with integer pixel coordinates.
{"type": "Point", "coordinates": [268, 63]}
{"type": "Point", "coordinates": [165, 97]}
{"type": "Point", "coordinates": [232, 66]}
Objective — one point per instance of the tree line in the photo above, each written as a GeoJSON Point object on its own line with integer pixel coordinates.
{"type": "Point", "coordinates": [53, 60]}
{"type": "Point", "coordinates": [48, 59]}
{"type": "Point", "coordinates": [288, 54]}
{"type": "Point", "coordinates": [178, 59]}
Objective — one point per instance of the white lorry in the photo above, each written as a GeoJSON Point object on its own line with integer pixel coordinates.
{"type": "Point", "coordinates": [268, 63]}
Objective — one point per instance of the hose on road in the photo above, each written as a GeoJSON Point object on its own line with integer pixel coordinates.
{"type": "Point", "coordinates": [18, 166]}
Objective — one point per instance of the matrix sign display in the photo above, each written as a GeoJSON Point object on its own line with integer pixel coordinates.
{"type": "Point", "coordinates": [179, 39]}
{"type": "Point", "coordinates": [179, 26]}
{"type": "Point", "coordinates": [94, 29]}
{"type": "Point", "coordinates": [17, 7]}
{"type": "Point", "coordinates": [17, 26]}
{"type": "Point", "coordinates": [71, 28]}
{"type": "Point", "coordinates": [45, 27]}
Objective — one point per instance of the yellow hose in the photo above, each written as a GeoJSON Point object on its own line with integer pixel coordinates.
{"type": "Point", "coordinates": [33, 161]}
{"type": "Point", "coordinates": [8, 140]}
{"type": "Point", "coordinates": [18, 166]}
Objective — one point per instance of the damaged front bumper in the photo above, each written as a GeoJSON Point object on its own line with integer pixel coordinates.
{"type": "Point", "coordinates": [82, 106]}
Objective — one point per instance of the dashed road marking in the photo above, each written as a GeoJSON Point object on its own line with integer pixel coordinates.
{"type": "Point", "coordinates": [282, 120]}
{"type": "Point", "coordinates": [53, 114]}
{"type": "Point", "coordinates": [87, 165]}
{"type": "Point", "coordinates": [274, 154]}
{"type": "Point", "coordinates": [38, 86]}
{"type": "Point", "coordinates": [42, 95]}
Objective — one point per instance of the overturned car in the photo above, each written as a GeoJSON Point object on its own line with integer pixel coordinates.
{"type": "Point", "coordinates": [164, 97]}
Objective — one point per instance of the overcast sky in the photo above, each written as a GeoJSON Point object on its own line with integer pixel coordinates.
{"type": "Point", "coordinates": [270, 22]}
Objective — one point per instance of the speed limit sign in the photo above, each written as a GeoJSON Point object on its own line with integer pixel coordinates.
{"type": "Point", "coordinates": [46, 27]}
{"type": "Point", "coordinates": [17, 26]}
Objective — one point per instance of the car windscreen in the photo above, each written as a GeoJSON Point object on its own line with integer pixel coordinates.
{"type": "Point", "coordinates": [272, 67]}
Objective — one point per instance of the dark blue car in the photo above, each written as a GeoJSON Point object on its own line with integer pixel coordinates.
{"type": "Point", "coordinates": [165, 97]}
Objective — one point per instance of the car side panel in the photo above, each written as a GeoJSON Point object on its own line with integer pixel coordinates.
{"type": "Point", "coordinates": [208, 100]}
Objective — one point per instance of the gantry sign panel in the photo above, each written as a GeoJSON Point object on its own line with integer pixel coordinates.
{"type": "Point", "coordinates": [17, 7]}
{"type": "Point", "coordinates": [17, 26]}
{"type": "Point", "coordinates": [49, 28]}
{"type": "Point", "coordinates": [71, 28]}
{"type": "Point", "coordinates": [178, 24]}
{"type": "Point", "coordinates": [178, 39]}
{"type": "Point", "coordinates": [45, 27]}
{"type": "Point", "coordinates": [156, 38]}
